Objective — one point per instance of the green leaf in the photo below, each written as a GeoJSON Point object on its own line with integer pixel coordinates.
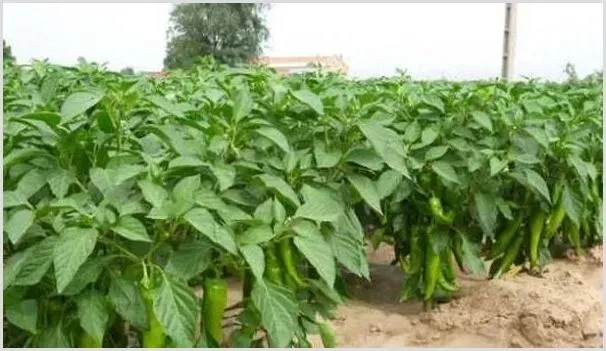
{"type": "Point", "coordinates": [275, 136]}
{"type": "Point", "coordinates": [71, 250]}
{"type": "Point", "coordinates": [256, 235]}
{"type": "Point", "coordinates": [50, 118]}
{"type": "Point", "coordinates": [412, 133]}
{"type": "Point", "coordinates": [59, 182]}
{"type": "Point", "coordinates": [176, 308]}
{"type": "Point", "coordinates": [13, 199]}
{"type": "Point", "coordinates": [435, 152]}
{"type": "Point", "coordinates": [77, 103]}
{"type": "Point", "coordinates": [538, 183]}
{"type": "Point", "coordinates": [279, 185]}
{"type": "Point", "coordinates": [18, 224]}
{"type": "Point", "coordinates": [131, 229]}
{"type": "Point", "coordinates": [573, 206]}
{"type": "Point", "coordinates": [325, 158]}
{"type": "Point", "coordinates": [446, 171]}
{"type": "Point", "coordinates": [428, 136]}
{"type": "Point", "coordinates": [264, 212]}
{"type": "Point", "coordinates": [190, 260]}
{"type": "Point", "coordinates": [93, 314]}
{"type": "Point", "coordinates": [164, 104]}
{"type": "Point", "coordinates": [102, 179]}
{"type": "Point", "coordinates": [278, 211]}
{"type": "Point", "coordinates": [27, 267]}
{"type": "Point", "coordinates": [482, 119]}
{"type": "Point", "coordinates": [53, 337]}
{"type": "Point", "coordinates": [350, 253]}
{"type": "Point", "coordinates": [310, 99]}
{"type": "Point", "coordinates": [387, 144]}
{"type": "Point", "coordinates": [243, 103]}
{"type": "Point", "coordinates": [185, 189]}
{"type": "Point", "coordinates": [367, 190]}
{"type": "Point", "coordinates": [126, 298]}
{"type": "Point", "coordinates": [316, 250]}
{"type": "Point", "coordinates": [496, 165]}
{"type": "Point", "coordinates": [365, 158]}
{"type": "Point", "coordinates": [253, 254]}
{"type": "Point", "coordinates": [104, 120]}
{"type": "Point", "coordinates": [153, 193]}
{"type": "Point", "coordinates": [388, 182]}
{"type": "Point", "coordinates": [471, 256]}
{"type": "Point", "coordinates": [278, 309]}
{"type": "Point", "coordinates": [319, 206]}
{"type": "Point", "coordinates": [486, 207]}
{"type": "Point", "coordinates": [226, 175]}
{"type": "Point", "coordinates": [31, 183]}
{"type": "Point", "coordinates": [23, 314]}
{"type": "Point", "coordinates": [87, 273]}
{"type": "Point", "coordinates": [204, 222]}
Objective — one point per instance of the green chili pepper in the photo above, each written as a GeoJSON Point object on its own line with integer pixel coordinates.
{"type": "Point", "coordinates": [214, 303]}
{"type": "Point", "coordinates": [287, 257]}
{"type": "Point", "coordinates": [86, 341]}
{"type": "Point", "coordinates": [155, 336]}
{"type": "Point", "coordinates": [437, 212]}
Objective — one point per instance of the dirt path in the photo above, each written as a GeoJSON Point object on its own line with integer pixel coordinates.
{"type": "Point", "coordinates": [562, 309]}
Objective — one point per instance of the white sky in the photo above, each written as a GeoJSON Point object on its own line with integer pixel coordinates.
{"type": "Point", "coordinates": [455, 41]}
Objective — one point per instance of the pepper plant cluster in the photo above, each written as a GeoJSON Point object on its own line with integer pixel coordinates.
{"type": "Point", "coordinates": [125, 196]}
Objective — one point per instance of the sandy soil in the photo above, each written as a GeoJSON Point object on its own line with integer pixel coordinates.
{"type": "Point", "coordinates": [562, 309]}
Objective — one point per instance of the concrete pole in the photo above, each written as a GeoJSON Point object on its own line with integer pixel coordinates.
{"type": "Point", "coordinates": [509, 40]}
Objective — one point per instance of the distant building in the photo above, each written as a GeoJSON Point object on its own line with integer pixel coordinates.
{"type": "Point", "coordinates": [299, 64]}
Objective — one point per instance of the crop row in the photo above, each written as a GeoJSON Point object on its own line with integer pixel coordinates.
{"type": "Point", "coordinates": [125, 194]}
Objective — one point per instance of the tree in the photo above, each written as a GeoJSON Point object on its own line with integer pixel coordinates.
{"type": "Point", "coordinates": [7, 53]}
{"type": "Point", "coordinates": [127, 71]}
{"type": "Point", "coordinates": [230, 33]}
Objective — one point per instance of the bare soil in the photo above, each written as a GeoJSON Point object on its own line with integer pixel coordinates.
{"type": "Point", "coordinates": [561, 309]}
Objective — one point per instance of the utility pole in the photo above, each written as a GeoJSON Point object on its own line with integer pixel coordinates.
{"type": "Point", "coordinates": [509, 40]}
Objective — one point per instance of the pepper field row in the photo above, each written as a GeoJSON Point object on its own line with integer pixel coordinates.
{"type": "Point", "coordinates": [122, 194]}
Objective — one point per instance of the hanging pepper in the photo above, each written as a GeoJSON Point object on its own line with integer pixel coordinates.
{"type": "Point", "coordinates": [214, 303]}
{"type": "Point", "coordinates": [155, 336]}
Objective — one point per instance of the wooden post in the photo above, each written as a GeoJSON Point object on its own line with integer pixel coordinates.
{"type": "Point", "coordinates": [509, 39]}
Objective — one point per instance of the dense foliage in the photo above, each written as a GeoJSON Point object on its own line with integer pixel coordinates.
{"type": "Point", "coordinates": [230, 33]}
{"type": "Point", "coordinates": [124, 196]}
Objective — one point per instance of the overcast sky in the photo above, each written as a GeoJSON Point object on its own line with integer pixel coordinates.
{"type": "Point", "coordinates": [455, 41]}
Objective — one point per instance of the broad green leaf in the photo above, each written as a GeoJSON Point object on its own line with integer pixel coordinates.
{"type": "Point", "coordinates": [310, 99]}
{"type": "Point", "coordinates": [153, 193]}
{"type": "Point", "coordinates": [316, 250]}
{"type": "Point", "coordinates": [13, 199]}
{"type": "Point", "coordinates": [428, 136]}
{"type": "Point", "coordinates": [538, 183]}
{"type": "Point", "coordinates": [204, 222]}
{"type": "Point", "coordinates": [53, 336]}
{"type": "Point", "coordinates": [185, 189]}
{"type": "Point", "coordinates": [326, 158]}
{"type": "Point", "coordinates": [104, 120]}
{"type": "Point", "coordinates": [572, 205]}
{"type": "Point", "coordinates": [176, 308]}
{"type": "Point", "coordinates": [367, 190]}
{"type": "Point", "coordinates": [264, 212]}
{"type": "Point", "coordinates": [102, 179]}
{"type": "Point", "coordinates": [164, 104]}
{"type": "Point", "coordinates": [50, 118]}
{"type": "Point", "coordinates": [413, 132]}
{"type": "Point", "coordinates": [527, 159]}
{"type": "Point", "coordinates": [435, 152]}
{"type": "Point", "coordinates": [486, 207]}
{"type": "Point", "coordinates": [539, 135]}
{"type": "Point", "coordinates": [496, 165]}
{"type": "Point", "coordinates": [126, 299]}
{"type": "Point", "coordinates": [275, 136]}
{"type": "Point", "coordinates": [388, 182]}
{"type": "Point", "coordinates": [71, 250]}
{"type": "Point", "coordinates": [388, 145]}
{"type": "Point", "coordinates": [256, 235]}
{"type": "Point", "coordinates": [482, 119]}
{"type": "Point", "coordinates": [226, 175]}
{"type": "Point", "coordinates": [278, 211]}
{"type": "Point", "coordinates": [77, 103]}
{"type": "Point", "coordinates": [31, 183]}
{"type": "Point", "coordinates": [18, 224]}
{"type": "Point", "coordinates": [59, 182]}
{"type": "Point", "coordinates": [190, 260]}
{"type": "Point", "coordinates": [319, 206]}
{"type": "Point", "coordinates": [278, 309]}
{"type": "Point", "coordinates": [365, 158]}
{"type": "Point", "coordinates": [253, 254]}
{"type": "Point", "coordinates": [87, 273]}
{"type": "Point", "coordinates": [243, 103]}
{"type": "Point", "coordinates": [23, 314]}
{"type": "Point", "coordinates": [350, 253]}
{"type": "Point", "coordinates": [27, 267]}
{"type": "Point", "coordinates": [471, 256]}
{"type": "Point", "coordinates": [280, 186]}
{"type": "Point", "coordinates": [446, 171]}
{"type": "Point", "coordinates": [131, 229]}
{"type": "Point", "coordinates": [93, 314]}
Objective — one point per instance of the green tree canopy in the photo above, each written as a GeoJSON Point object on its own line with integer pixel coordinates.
{"type": "Point", "coordinates": [7, 53]}
{"type": "Point", "coordinates": [230, 33]}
